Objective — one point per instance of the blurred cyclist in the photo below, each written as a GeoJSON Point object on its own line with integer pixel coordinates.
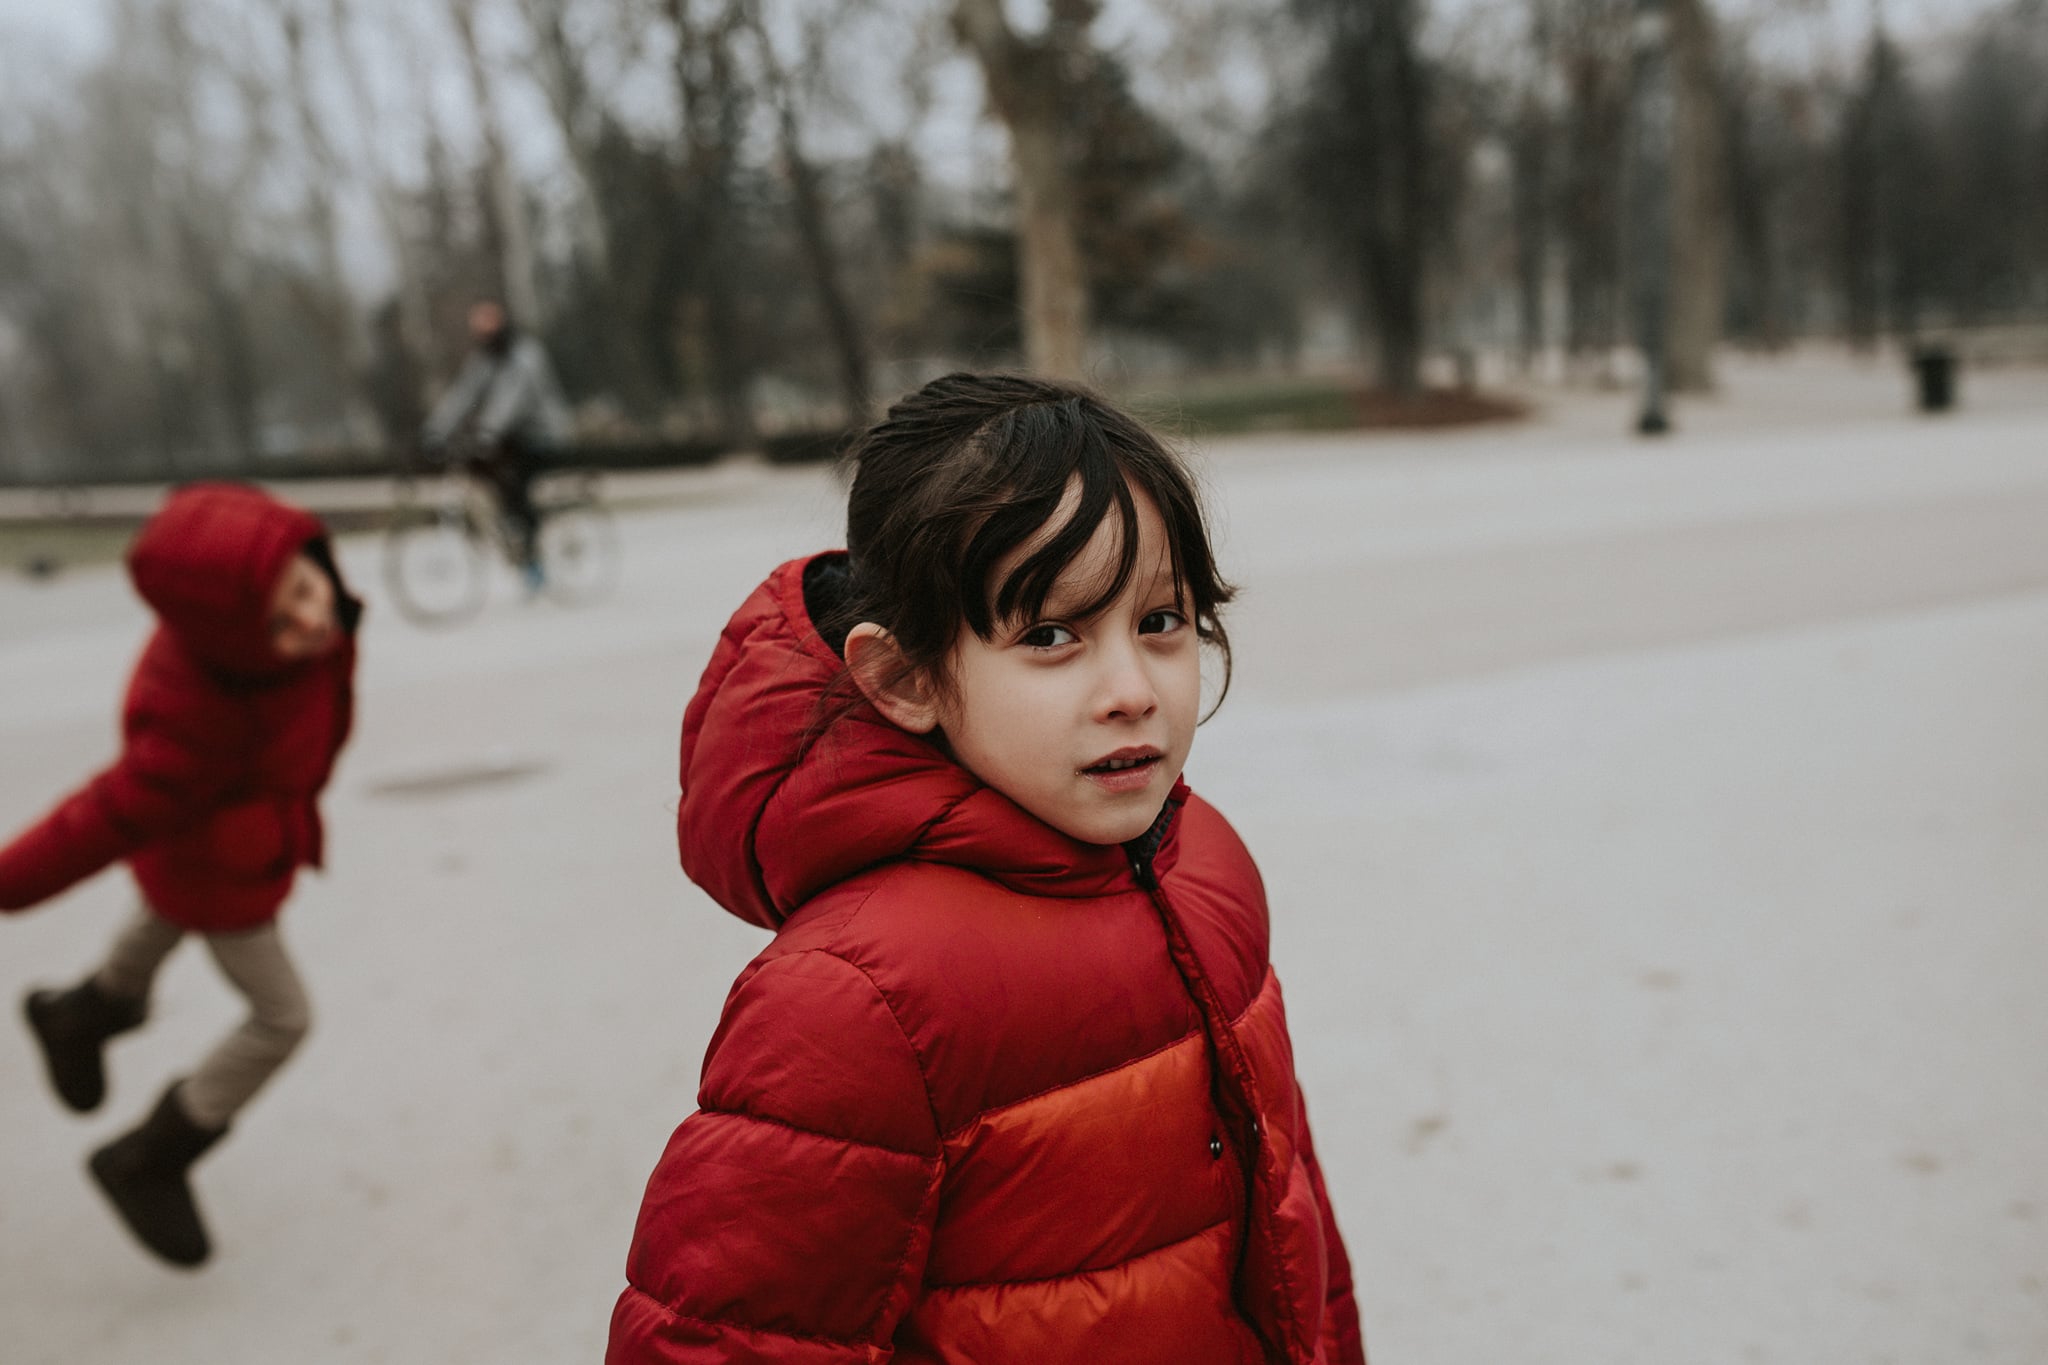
{"type": "Point", "coordinates": [503, 413]}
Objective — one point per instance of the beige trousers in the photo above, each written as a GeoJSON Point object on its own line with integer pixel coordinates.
{"type": "Point", "coordinates": [255, 964]}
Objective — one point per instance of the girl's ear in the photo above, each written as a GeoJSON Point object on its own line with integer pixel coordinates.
{"type": "Point", "coordinates": [899, 692]}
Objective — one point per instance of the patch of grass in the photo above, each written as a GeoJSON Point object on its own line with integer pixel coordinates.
{"type": "Point", "coordinates": [1220, 409]}
{"type": "Point", "coordinates": [42, 549]}
{"type": "Point", "coordinates": [1227, 407]}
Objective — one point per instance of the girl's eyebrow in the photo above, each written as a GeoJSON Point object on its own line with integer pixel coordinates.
{"type": "Point", "coordinates": [1067, 598]}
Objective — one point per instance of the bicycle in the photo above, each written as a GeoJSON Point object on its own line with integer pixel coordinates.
{"type": "Point", "coordinates": [444, 536]}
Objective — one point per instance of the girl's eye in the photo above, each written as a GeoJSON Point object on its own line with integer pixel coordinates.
{"type": "Point", "coordinates": [1160, 622]}
{"type": "Point", "coordinates": [1047, 637]}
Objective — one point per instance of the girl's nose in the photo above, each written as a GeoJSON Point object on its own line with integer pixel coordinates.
{"type": "Point", "coordinates": [312, 620]}
{"type": "Point", "coordinates": [1127, 690]}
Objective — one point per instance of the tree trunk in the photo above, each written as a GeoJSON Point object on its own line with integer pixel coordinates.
{"type": "Point", "coordinates": [710, 98]}
{"type": "Point", "coordinates": [814, 233]}
{"type": "Point", "coordinates": [518, 279]}
{"type": "Point", "coordinates": [229, 348]}
{"type": "Point", "coordinates": [334, 313]}
{"type": "Point", "coordinates": [1652, 126]}
{"type": "Point", "coordinates": [1699, 207]}
{"type": "Point", "coordinates": [1592, 247]}
{"type": "Point", "coordinates": [1052, 282]}
{"type": "Point", "coordinates": [415, 310]}
{"type": "Point", "coordinates": [1403, 249]}
{"type": "Point", "coordinates": [1532, 168]}
{"type": "Point", "coordinates": [1531, 194]}
{"type": "Point", "coordinates": [562, 79]}
{"type": "Point", "coordinates": [1028, 84]}
{"type": "Point", "coordinates": [585, 125]}
{"type": "Point", "coordinates": [849, 345]}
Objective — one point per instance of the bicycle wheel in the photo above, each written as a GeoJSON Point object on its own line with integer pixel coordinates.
{"type": "Point", "coordinates": [435, 567]}
{"type": "Point", "coordinates": [579, 550]}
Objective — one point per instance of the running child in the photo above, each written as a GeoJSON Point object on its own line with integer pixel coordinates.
{"type": "Point", "coordinates": [1012, 1083]}
{"type": "Point", "coordinates": [234, 715]}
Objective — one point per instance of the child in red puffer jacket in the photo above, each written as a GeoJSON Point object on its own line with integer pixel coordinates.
{"type": "Point", "coordinates": [234, 715]}
{"type": "Point", "coordinates": [1012, 1084]}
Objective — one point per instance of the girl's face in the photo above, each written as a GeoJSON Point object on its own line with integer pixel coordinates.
{"type": "Point", "coordinates": [1086, 723]}
{"type": "Point", "coordinates": [302, 613]}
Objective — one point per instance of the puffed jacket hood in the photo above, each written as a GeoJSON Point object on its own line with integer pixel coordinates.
{"type": "Point", "coordinates": [207, 564]}
{"type": "Point", "coordinates": [811, 805]}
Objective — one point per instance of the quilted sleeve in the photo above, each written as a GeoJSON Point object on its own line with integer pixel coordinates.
{"type": "Point", "coordinates": [1343, 1339]}
{"type": "Point", "coordinates": [175, 765]}
{"type": "Point", "coordinates": [790, 1217]}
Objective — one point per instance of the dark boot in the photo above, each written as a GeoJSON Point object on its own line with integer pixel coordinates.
{"type": "Point", "coordinates": [143, 1173]}
{"type": "Point", "coordinates": [72, 1026]}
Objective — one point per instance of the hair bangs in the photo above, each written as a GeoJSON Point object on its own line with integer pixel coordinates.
{"type": "Point", "coordinates": [1071, 449]}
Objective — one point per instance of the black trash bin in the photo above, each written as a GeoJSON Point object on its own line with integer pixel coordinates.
{"type": "Point", "coordinates": [1935, 369]}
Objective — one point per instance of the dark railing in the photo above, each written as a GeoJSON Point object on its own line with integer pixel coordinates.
{"type": "Point", "coordinates": [796, 447]}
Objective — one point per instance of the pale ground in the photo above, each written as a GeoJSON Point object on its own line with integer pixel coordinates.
{"type": "Point", "coordinates": [1654, 834]}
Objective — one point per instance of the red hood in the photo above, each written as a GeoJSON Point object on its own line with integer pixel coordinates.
{"type": "Point", "coordinates": [764, 825]}
{"type": "Point", "coordinates": [207, 563]}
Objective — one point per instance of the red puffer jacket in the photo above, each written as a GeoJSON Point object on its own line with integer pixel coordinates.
{"type": "Point", "coordinates": [992, 1094]}
{"type": "Point", "coordinates": [225, 747]}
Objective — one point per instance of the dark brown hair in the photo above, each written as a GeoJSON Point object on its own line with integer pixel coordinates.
{"type": "Point", "coordinates": [971, 466]}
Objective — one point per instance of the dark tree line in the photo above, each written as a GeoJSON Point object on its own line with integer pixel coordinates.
{"type": "Point", "coordinates": [251, 227]}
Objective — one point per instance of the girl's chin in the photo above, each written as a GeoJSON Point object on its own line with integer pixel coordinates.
{"type": "Point", "coordinates": [299, 652]}
{"type": "Point", "coordinates": [1109, 828]}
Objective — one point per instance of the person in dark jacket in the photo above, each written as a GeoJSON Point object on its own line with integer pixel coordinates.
{"type": "Point", "coordinates": [1012, 1083]}
{"type": "Point", "coordinates": [234, 715]}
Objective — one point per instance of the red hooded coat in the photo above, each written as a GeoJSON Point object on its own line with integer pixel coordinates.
{"type": "Point", "coordinates": [991, 1094]}
{"type": "Point", "coordinates": [225, 747]}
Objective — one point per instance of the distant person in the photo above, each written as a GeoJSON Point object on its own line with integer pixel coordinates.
{"type": "Point", "coordinates": [503, 413]}
{"type": "Point", "coordinates": [234, 715]}
{"type": "Point", "coordinates": [1012, 1083]}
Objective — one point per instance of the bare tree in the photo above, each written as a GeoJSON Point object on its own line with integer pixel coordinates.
{"type": "Point", "coordinates": [415, 311]}
{"type": "Point", "coordinates": [1699, 209]}
{"type": "Point", "coordinates": [1885, 184]}
{"type": "Point", "coordinates": [1651, 135]}
{"type": "Point", "coordinates": [1030, 81]}
{"type": "Point", "coordinates": [1995, 132]}
{"type": "Point", "coordinates": [174, 190]}
{"type": "Point", "coordinates": [1593, 49]}
{"type": "Point", "coordinates": [1363, 152]}
{"type": "Point", "coordinates": [714, 104]}
{"type": "Point", "coordinates": [68, 394]}
{"type": "Point", "coordinates": [1532, 158]}
{"type": "Point", "coordinates": [812, 213]}
{"type": "Point", "coordinates": [518, 278]}
{"type": "Point", "coordinates": [613, 265]}
{"type": "Point", "coordinates": [562, 72]}
{"type": "Point", "coordinates": [333, 307]}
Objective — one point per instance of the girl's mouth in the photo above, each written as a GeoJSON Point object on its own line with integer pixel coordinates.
{"type": "Point", "coordinates": [1123, 772]}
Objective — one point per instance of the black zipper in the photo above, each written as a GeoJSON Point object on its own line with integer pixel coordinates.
{"type": "Point", "coordinates": [1141, 868]}
{"type": "Point", "coordinates": [1145, 847]}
